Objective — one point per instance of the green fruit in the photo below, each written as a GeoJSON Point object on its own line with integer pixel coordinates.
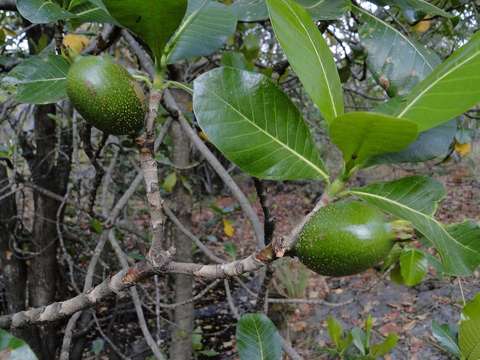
{"type": "Point", "coordinates": [345, 238]}
{"type": "Point", "coordinates": [106, 95]}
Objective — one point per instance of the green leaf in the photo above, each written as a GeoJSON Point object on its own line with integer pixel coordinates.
{"type": "Point", "coordinates": [383, 348]}
{"type": "Point", "coordinates": [429, 145]}
{"type": "Point", "coordinates": [12, 348]}
{"type": "Point", "coordinates": [250, 10]}
{"type": "Point", "coordinates": [231, 249]}
{"type": "Point", "coordinates": [469, 330]}
{"type": "Point", "coordinates": [255, 125]}
{"type": "Point", "coordinates": [326, 9]}
{"type": "Point", "coordinates": [359, 340]}
{"type": "Point", "coordinates": [446, 337]}
{"type": "Point", "coordinates": [361, 135]}
{"type": "Point", "coordinates": [450, 90]}
{"type": "Point", "coordinates": [40, 80]}
{"type": "Point", "coordinates": [415, 199]}
{"type": "Point", "coordinates": [308, 54]}
{"type": "Point", "coordinates": [42, 11]}
{"type": "Point", "coordinates": [258, 338]}
{"type": "Point", "coordinates": [256, 10]}
{"type": "Point", "coordinates": [420, 5]}
{"type": "Point", "coordinates": [152, 20]}
{"type": "Point", "coordinates": [335, 331]}
{"type": "Point", "coordinates": [414, 267]}
{"type": "Point", "coordinates": [96, 226]}
{"type": "Point", "coordinates": [397, 62]}
{"type": "Point", "coordinates": [89, 11]}
{"type": "Point", "coordinates": [205, 28]}
{"type": "Point", "coordinates": [236, 60]}
{"type": "Point", "coordinates": [170, 182]}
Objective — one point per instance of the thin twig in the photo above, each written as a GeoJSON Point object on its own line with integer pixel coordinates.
{"type": "Point", "coordinates": [247, 208]}
{"type": "Point", "coordinates": [230, 301]}
{"type": "Point", "coordinates": [136, 300]}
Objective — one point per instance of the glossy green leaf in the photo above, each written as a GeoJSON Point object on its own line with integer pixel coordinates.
{"type": "Point", "coordinates": [469, 330]}
{"type": "Point", "coordinates": [12, 348]}
{"type": "Point", "coordinates": [413, 267]}
{"type": "Point", "coordinates": [258, 338]}
{"type": "Point", "coordinates": [326, 9]}
{"type": "Point", "coordinates": [429, 145]}
{"type": "Point", "coordinates": [308, 54]}
{"type": "Point", "coordinates": [397, 62]}
{"type": "Point", "coordinates": [361, 135]}
{"type": "Point", "coordinates": [152, 20]}
{"type": "Point", "coordinates": [205, 28]}
{"type": "Point", "coordinates": [236, 60]}
{"type": "Point", "coordinates": [385, 346]}
{"type": "Point", "coordinates": [415, 199]}
{"type": "Point", "coordinates": [255, 125]}
{"type": "Point", "coordinates": [450, 90]}
{"type": "Point", "coordinates": [42, 11]}
{"type": "Point", "coordinates": [250, 10]}
{"type": "Point", "coordinates": [446, 338]}
{"type": "Point", "coordinates": [88, 11]}
{"type": "Point", "coordinates": [40, 80]}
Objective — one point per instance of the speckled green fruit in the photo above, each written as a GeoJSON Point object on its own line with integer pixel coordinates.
{"type": "Point", "coordinates": [345, 238]}
{"type": "Point", "coordinates": [106, 95]}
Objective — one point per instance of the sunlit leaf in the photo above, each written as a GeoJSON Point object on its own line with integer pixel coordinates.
{"type": "Point", "coordinates": [255, 125]}
{"type": "Point", "coordinates": [450, 90]}
{"type": "Point", "coordinates": [362, 135]}
{"type": "Point", "coordinates": [308, 55]}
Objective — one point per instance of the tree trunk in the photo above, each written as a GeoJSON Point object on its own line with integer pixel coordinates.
{"type": "Point", "coordinates": [50, 170]}
{"type": "Point", "coordinates": [13, 267]}
{"type": "Point", "coordinates": [181, 343]}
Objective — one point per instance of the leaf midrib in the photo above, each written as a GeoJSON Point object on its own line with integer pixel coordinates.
{"type": "Point", "coordinates": [312, 165]}
{"type": "Point", "coordinates": [433, 83]}
{"type": "Point", "coordinates": [415, 211]}
{"type": "Point", "coordinates": [324, 73]}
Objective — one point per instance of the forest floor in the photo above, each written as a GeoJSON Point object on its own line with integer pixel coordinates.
{"type": "Point", "coordinates": [408, 312]}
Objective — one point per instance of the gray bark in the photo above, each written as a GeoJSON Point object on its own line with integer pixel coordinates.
{"type": "Point", "coordinates": [50, 170]}
{"type": "Point", "coordinates": [14, 270]}
{"type": "Point", "coordinates": [181, 343]}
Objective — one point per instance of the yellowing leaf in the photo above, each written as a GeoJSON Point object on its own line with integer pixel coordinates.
{"type": "Point", "coordinates": [463, 149]}
{"type": "Point", "coordinates": [75, 43]}
{"type": "Point", "coordinates": [422, 26]}
{"type": "Point", "coordinates": [228, 228]}
{"type": "Point", "coordinates": [170, 182]}
{"type": "Point", "coordinates": [203, 136]}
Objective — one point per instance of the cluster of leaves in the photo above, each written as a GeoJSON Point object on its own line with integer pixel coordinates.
{"type": "Point", "coordinates": [462, 341]}
{"type": "Point", "coordinates": [356, 343]}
